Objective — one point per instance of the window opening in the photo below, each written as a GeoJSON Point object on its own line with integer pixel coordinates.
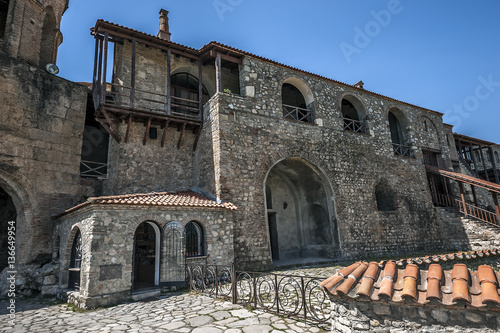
{"type": "Point", "coordinates": [194, 240]}
{"type": "Point", "coordinates": [75, 262]}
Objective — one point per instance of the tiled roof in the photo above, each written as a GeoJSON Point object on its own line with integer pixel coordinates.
{"type": "Point", "coordinates": [212, 44]}
{"type": "Point", "coordinates": [456, 287]}
{"type": "Point", "coordinates": [176, 199]}
{"type": "Point", "coordinates": [446, 257]}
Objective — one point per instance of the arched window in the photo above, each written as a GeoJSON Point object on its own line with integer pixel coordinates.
{"type": "Point", "coordinates": [294, 104]}
{"type": "Point", "coordinates": [353, 114]}
{"type": "Point", "coordinates": [75, 262]}
{"type": "Point", "coordinates": [4, 9]}
{"type": "Point", "coordinates": [194, 240]}
{"type": "Point", "coordinates": [385, 198]}
{"type": "Point", "coordinates": [184, 90]}
{"type": "Point", "coordinates": [399, 145]}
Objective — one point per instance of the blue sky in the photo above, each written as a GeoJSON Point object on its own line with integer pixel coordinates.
{"type": "Point", "coordinates": [443, 55]}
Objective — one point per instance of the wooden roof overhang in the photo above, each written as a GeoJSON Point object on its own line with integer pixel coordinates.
{"type": "Point", "coordinates": [473, 141]}
{"type": "Point", "coordinates": [464, 179]}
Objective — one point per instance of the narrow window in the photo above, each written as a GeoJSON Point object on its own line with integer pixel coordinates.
{"type": "Point", "coordinates": [4, 8]}
{"type": "Point", "coordinates": [194, 240]}
{"type": "Point", "coordinates": [75, 262]}
{"type": "Point", "coordinates": [384, 196]}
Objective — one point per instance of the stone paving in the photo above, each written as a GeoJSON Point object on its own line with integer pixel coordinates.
{"type": "Point", "coordinates": [174, 312]}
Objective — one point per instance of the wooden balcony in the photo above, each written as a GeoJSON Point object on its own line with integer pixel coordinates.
{"type": "Point", "coordinates": [355, 126]}
{"type": "Point", "coordinates": [296, 113]}
{"type": "Point", "coordinates": [401, 150]}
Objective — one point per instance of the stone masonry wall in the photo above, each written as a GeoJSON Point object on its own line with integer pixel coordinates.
{"type": "Point", "coordinates": [253, 136]}
{"type": "Point", "coordinates": [25, 25]}
{"type": "Point", "coordinates": [108, 242]}
{"type": "Point", "coordinates": [358, 316]}
{"type": "Point", "coordinates": [42, 124]}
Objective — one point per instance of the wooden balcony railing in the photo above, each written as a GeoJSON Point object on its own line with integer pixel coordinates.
{"type": "Point", "coordinates": [93, 169]}
{"type": "Point", "coordinates": [468, 209]}
{"type": "Point", "coordinates": [125, 96]}
{"type": "Point", "coordinates": [356, 126]}
{"type": "Point", "coordinates": [296, 113]}
{"type": "Point", "coordinates": [401, 150]}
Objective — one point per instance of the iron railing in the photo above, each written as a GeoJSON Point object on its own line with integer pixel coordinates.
{"type": "Point", "coordinates": [468, 209]}
{"type": "Point", "coordinates": [356, 126]}
{"type": "Point", "coordinates": [93, 169]}
{"type": "Point", "coordinates": [290, 295]}
{"type": "Point", "coordinates": [401, 150]}
{"type": "Point", "coordinates": [296, 113]}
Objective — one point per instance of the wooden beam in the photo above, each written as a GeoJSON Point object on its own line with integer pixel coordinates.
{"type": "Point", "coordinates": [484, 163]}
{"type": "Point", "coordinates": [104, 67]}
{"type": "Point", "coordinates": [197, 138]}
{"type": "Point", "coordinates": [129, 122]}
{"type": "Point", "coordinates": [462, 197]}
{"type": "Point", "coordinates": [474, 195]}
{"type": "Point", "coordinates": [146, 134]}
{"type": "Point", "coordinates": [164, 133]}
{"type": "Point", "coordinates": [169, 69]}
{"type": "Point", "coordinates": [218, 73]}
{"type": "Point", "coordinates": [200, 88]}
{"type": "Point", "coordinates": [180, 137]}
{"type": "Point", "coordinates": [497, 209]}
{"type": "Point", "coordinates": [473, 160]}
{"type": "Point", "coordinates": [226, 57]}
{"type": "Point", "coordinates": [132, 76]}
{"type": "Point", "coordinates": [110, 129]}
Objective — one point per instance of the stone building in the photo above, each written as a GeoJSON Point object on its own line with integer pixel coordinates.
{"type": "Point", "coordinates": [211, 155]}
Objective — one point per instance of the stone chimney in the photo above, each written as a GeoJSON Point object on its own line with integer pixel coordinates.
{"type": "Point", "coordinates": [359, 84]}
{"type": "Point", "coordinates": [163, 31]}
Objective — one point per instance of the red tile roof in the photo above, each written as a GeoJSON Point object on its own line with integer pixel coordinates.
{"type": "Point", "coordinates": [173, 199]}
{"type": "Point", "coordinates": [446, 257]}
{"type": "Point", "coordinates": [457, 287]}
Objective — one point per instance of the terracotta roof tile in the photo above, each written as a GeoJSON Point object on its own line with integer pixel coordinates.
{"type": "Point", "coordinates": [445, 257]}
{"type": "Point", "coordinates": [457, 287]}
{"type": "Point", "coordinates": [186, 198]}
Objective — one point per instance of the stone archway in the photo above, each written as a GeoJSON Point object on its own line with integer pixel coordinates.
{"type": "Point", "coordinates": [300, 214]}
{"type": "Point", "coordinates": [8, 216]}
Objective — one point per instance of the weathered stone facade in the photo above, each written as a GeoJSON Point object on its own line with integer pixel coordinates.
{"type": "Point", "coordinates": [108, 247]}
{"type": "Point", "coordinates": [306, 185]}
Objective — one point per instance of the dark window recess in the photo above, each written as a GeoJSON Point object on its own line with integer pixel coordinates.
{"type": "Point", "coordinates": [384, 196]}
{"type": "Point", "coordinates": [4, 9]}
{"type": "Point", "coordinates": [294, 104]}
{"type": "Point", "coordinates": [351, 118]}
{"type": "Point", "coordinates": [153, 133]}
{"type": "Point", "coordinates": [185, 94]}
{"type": "Point", "coordinates": [75, 262]}
{"type": "Point", "coordinates": [395, 127]}
{"type": "Point", "coordinates": [194, 240]}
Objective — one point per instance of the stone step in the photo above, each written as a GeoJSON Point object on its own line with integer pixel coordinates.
{"type": "Point", "coordinates": [145, 294]}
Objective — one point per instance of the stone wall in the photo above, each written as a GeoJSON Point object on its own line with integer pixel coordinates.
{"type": "Point", "coordinates": [108, 243]}
{"type": "Point", "coordinates": [359, 316]}
{"type": "Point", "coordinates": [32, 32]}
{"type": "Point", "coordinates": [253, 136]}
{"type": "Point", "coordinates": [42, 124]}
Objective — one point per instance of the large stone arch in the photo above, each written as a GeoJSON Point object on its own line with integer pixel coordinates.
{"type": "Point", "coordinates": [18, 197]}
{"type": "Point", "coordinates": [301, 219]}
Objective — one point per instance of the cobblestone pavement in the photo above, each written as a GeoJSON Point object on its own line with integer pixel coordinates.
{"type": "Point", "coordinates": [180, 312]}
{"type": "Point", "coordinates": [175, 312]}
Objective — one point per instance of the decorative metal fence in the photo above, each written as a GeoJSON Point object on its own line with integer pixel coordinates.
{"type": "Point", "coordinates": [288, 295]}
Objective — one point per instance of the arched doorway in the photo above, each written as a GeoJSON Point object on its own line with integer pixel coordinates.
{"type": "Point", "coordinates": [8, 218]}
{"type": "Point", "coordinates": [146, 269]}
{"type": "Point", "coordinates": [174, 259]}
{"type": "Point", "coordinates": [301, 219]}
